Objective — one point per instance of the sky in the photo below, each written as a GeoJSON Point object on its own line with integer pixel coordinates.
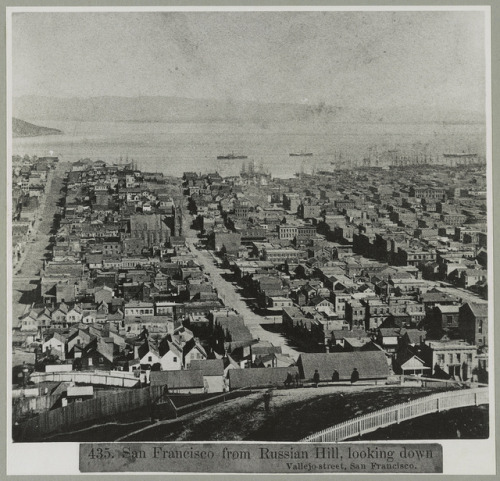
{"type": "Point", "coordinates": [357, 59]}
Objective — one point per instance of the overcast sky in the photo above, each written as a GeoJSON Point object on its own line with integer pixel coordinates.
{"type": "Point", "coordinates": [361, 59]}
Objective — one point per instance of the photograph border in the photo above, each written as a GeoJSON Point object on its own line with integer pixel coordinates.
{"type": "Point", "coordinates": [492, 173]}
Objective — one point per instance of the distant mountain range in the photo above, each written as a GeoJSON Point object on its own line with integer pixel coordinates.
{"type": "Point", "coordinates": [20, 128]}
{"type": "Point", "coordinates": [176, 109]}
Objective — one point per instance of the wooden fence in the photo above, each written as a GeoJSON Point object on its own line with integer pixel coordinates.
{"type": "Point", "coordinates": [66, 417]}
{"type": "Point", "coordinates": [23, 406]}
{"type": "Point", "coordinates": [399, 413]}
{"type": "Point", "coordinates": [154, 399]}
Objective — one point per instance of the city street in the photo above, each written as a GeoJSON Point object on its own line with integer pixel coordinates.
{"type": "Point", "coordinates": [26, 272]}
{"type": "Point", "coordinates": [231, 298]}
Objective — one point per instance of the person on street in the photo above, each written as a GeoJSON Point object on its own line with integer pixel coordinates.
{"type": "Point", "coordinates": [297, 380]}
{"type": "Point", "coordinates": [316, 378]}
{"type": "Point", "coordinates": [354, 376]}
{"type": "Point", "coordinates": [289, 379]}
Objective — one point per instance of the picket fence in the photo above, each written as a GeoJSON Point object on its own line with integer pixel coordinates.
{"type": "Point", "coordinates": [399, 413]}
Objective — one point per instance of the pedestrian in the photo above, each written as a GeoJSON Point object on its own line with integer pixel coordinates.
{"type": "Point", "coordinates": [267, 400]}
{"type": "Point", "coordinates": [289, 379]}
{"type": "Point", "coordinates": [335, 376]}
{"type": "Point", "coordinates": [354, 376]}
{"type": "Point", "coordinates": [316, 378]}
{"type": "Point", "coordinates": [297, 379]}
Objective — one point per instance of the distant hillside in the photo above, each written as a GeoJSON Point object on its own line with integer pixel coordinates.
{"type": "Point", "coordinates": [177, 109]}
{"type": "Point", "coordinates": [20, 128]}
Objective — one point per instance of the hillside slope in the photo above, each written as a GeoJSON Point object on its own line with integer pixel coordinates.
{"type": "Point", "coordinates": [20, 128]}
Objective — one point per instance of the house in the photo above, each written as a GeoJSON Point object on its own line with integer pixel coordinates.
{"type": "Point", "coordinates": [339, 337]}
{"type": "Point", "coordinates": [193, 350]}
{"type": "Point", "coordinates": [371, 365]}
{"type": "Point", "coordinates": [103, 294]}
{"type": "Point", "coordinates": [74, 315]}
{"type": "Point", "coordinates": [148, 354]}
{"type": "Point", "coordinates": [213, 373]}
{"type": "Point", "coordinates": [185, 382]}
{"type": "Point", "coordinates": [78, 338]}
{"type": "Point", "coordinates": [56, 345]}
{"type": "Point", "coordinates": [411, 337]}
{"type": "Point", "coordinates": [89, 316]}
{"type": "Point", "coordinates": [98, 354]}
{"type": "Point", "coordinates": [446, 317]}
{"type": "Point", "coordinates": [450, 358]}
{"type": "Point", "coordinates": [263, 348]}
{"type": "Point", "coordinates": [408, 362]}
{"type": "Point", "coordinates": [473, 323]}
{"type": "Point", "coordinates": [388, 338]}
{"type": "Point", "coordinates": [229, 363]}
{"type": "Point", "coordinates": [259, 377]}
{"type": "Point", "coordinates": [29, 322]}
{"type": "Point", "coordinates": [170, 354]}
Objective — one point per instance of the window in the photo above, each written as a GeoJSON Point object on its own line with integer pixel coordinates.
{"type": "Point", "coordinates": [480, 327]}
{"type": "Point", "coordinates": [458, 357]}
{"type": "Point", "coordinates": [440, 358]}
{"type": "Point", "coordinates": [450, 358]}
{"type": "Point", "coordinates": [175, 358]}
{"type": "Point", "coordinates": [449, 320]}
{"type": "Point", "coordinates": [150, 358]}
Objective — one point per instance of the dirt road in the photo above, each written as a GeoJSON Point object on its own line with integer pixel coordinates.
{"type": "Point", "coordinates": [38, 247]}
{"type": "Point", "coordinates": [231, 297]}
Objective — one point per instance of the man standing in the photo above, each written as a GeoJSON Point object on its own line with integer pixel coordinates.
{"type": "Point", "coordinates": [316, 378]}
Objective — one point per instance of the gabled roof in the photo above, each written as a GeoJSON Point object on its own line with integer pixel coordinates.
{"type": "Point", "coordinates": [478, 309]}
{"type": "Point", "coordinates": [193, 344]}
{"type": "Point", "coordinates": [147, 346]}
{"type": "Point", "coordinates": [414, 335]}
{"type": "Point", "coordinates": [177, 379]}
{"type": "Point", "coordinates": [259, 377]}
{"type": "Point", "coordinates": [229, 361]}
{"type": "Point", "coordinates": [208, 367]}
{"type": "Point", "coordinates": [319, 299]}
{"type": "Point", "coordinates": [370, 364]}
{"type": "Point", "coordinates": [263, 348]}
{"type": "Point", "coordinates": [167, 345]}
{"type": "Point", "coordinates": [58, 336]}
{"type": "Point", "coordinates": [355, 333]}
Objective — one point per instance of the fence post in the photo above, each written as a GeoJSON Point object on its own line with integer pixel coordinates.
{"type": "Point", "coordinates": [438, 405]}
{"type": "Point", "coordinates": [397, 415]}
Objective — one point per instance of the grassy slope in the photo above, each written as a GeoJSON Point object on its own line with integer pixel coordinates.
{"type": "Point", "coordinates": [294, 414]}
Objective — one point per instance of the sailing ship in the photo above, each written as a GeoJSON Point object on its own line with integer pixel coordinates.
{"type": "Point", "coordinates": [232, 156]}
{"type": "Point", "coordinates": [301, 154]}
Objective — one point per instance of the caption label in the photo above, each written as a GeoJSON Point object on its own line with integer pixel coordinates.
{"type": "Point", "coordinates": [261, 458]}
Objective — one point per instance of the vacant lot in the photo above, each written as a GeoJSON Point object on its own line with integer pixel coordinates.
{"type": "Point", "coordinates": [293, 414]}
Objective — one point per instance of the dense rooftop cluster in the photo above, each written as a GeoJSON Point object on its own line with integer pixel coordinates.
{"type": "Point", "coordinates": [380, 268]}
